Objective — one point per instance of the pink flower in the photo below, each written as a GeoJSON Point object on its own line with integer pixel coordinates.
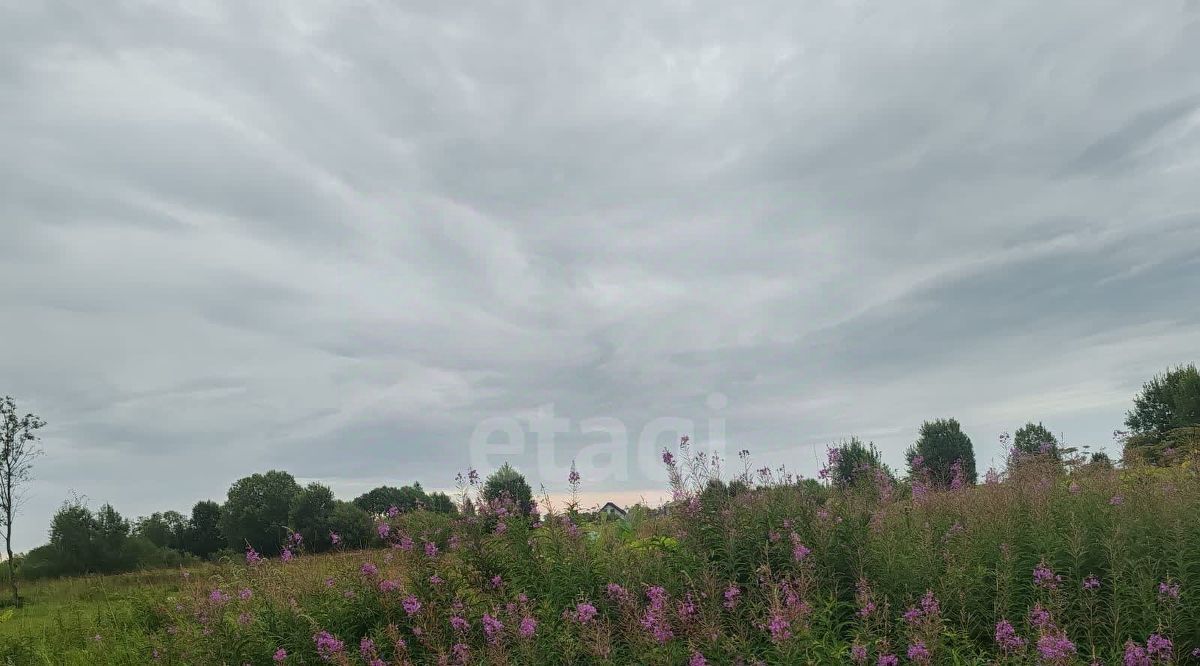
{"type": "Point", "coordinates": [528, 627]}
{"type": "Point", "coordinates": [411, 605]}
{"type": "Point", "coordinates": [280, 656]}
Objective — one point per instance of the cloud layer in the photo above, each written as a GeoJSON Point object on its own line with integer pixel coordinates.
{"type": "Point", "coordinates": [335, 237]}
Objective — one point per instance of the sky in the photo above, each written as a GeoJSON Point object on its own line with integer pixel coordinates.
{"type": "Point", "coordinates": [382, 242]}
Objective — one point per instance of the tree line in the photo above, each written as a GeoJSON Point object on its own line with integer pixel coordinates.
{"type": "Point", "coordinates": [265, 511]}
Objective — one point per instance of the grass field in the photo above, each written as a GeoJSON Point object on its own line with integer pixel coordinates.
{"type": "Point", "coordinates": [1052, 565]}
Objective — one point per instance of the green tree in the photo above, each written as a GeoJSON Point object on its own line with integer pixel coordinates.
{"type": "Point", "coordinates": [942, 444]}
{"type": "Point", "coordinates": [854, 460]}
{"type": "Point", "coordinates": [353, 524]}
{"type": "Point", "coordinates": [256, 511]}
{"type": "Point", "coordinates": [72, 535]}
{"type": "Point", "coordinates": [310, 515]}
{"type": "Point", "coordinates": [1166, 403]}
{"type": "Point", "coordinates": [507, 483]}
{"type": "Point", "coordinates": [18, 449]}
{"type": "Point", "coordinates": [441, 503]}
{"type": "Point", "coordinates": [1033, 438]}
{"type": "Point", "coordinates": [204, 535]}
{"type": "Point", "coordinates": [379, 500]}
{"type": "Point", "coordinates": [112, 535]}
{"type": "Point", "coordinates": [167, 529]}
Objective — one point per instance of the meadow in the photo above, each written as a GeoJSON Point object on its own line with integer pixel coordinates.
{"type": "Point", "coordinates": [1051, 563]}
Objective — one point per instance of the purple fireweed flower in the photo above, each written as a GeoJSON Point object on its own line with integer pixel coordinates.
{"type": "Point", "coordinates": [431, 549]}
{"type": "Point", "coordinates": [497, 582]}
{"type": "Point", "coordinates": [245, 593]}
{"type": "Point", "coordinates": [411, 605]}
{"type": "Point", "coordinates": [573, 477]}
{"type": "Point", "coordinates": [492, 628]}
{"type": "Point", "coordinates": [918, 653]}
{"type": "Point", "coordinates": [217, 596]}
{"type": "Point", "coordinates": [252, 556]}
{"type": "Point", "coordinates": [584, 612]}
{"type": "Point", "coordinates": [280, 656]}
{"type": "Point", "coordinates": [667, 458]}
{"type": "Point", "coordinates": [393, 511]}
{"type": "Point", "coordinates": [1044, 577]}
{"type": "Point", "coordinates": [327, 645]}
{"type": "Point", "coordinates": [335, 538]}
{"type": "Point", "coordinates": [1168, 590]}
{"type": "Point", "coordinates": [1116, 500]}
{"type": "Point", "coordinates": [384, 530]}
{"type": "Point", "coordinates": [1135, 655]}
{"type": "Point", "coordinates": [461, 652]}
{"type": "Point", "coordinates": [1055, 648]}
{"type": "Point", "coordinates": [460, 624]}
{"type": "Point", "coordinates": [780, 628]}
{"type": "Point", "coordinates": [245, 618]}
{"type": "Point", "coordinates": [858, 653]}
{"type": "Point", "coordinates": [799, 550]}
{"type": "Point", "coordinates": [405, 543]}
{"type": "Point", "coordinates": [616, 592]}
{"type": "Point", "coordinates": [992, 477]}
{"type": "Point", "coordinates": [435, 580]}
{"type": "Point", "coordinates": [369, 569]}
{"type": "Point", "coordinates": [888, 660]}
{"type": "Point", "coordinates": [286, 555]}
{"type": "Point", "coordinates": [697, 660]}
{"type": "Point", "coordinates": [958, 480]}
{"type": "Point", "coordinates": [1091, 582]}
{"type": "Point", "coordinates": [366, 648]}
{"type": "Point", "coordinates": [732, 593]}
{"type": "Point", "coordinates": [1160, 647]}
{"type": "Point", "coordinates": [388, 585]}
{"type": "Point", "coordinates": [1007, 638]}
{"type": "Point", "coordinates": [528, 627]}
{"type": "Point", "coordinates": [501, 528]}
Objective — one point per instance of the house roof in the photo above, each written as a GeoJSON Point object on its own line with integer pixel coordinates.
{"type": "Point", "coordinates": [614, 507]}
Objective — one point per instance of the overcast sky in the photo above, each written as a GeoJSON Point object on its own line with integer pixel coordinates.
{"type": "Point", "coordinates": [335, 237]}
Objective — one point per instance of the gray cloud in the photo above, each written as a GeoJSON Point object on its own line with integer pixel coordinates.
{"type": "Point", "coordinates": [333, 238]}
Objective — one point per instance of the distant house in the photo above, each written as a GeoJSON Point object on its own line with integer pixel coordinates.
{"type": "Point", "coordinates": [612, 510]}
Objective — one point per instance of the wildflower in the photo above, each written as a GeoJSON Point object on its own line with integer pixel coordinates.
{"type": "Point", "coordinates": [406, 543]}
{"type": "Point", "coordinates": [280, 656]}
{"type": "Point", "coordinates": [1039, 617]}
{"type": "Point", "coordinates": [654, 619]}
{"type": "Point", "coordinates": [369, 569]}
{"type": "Point", "coordinates": [992, 477]}
{"type": "Point", "coordinates": [460, 623]}
{"type": "Point", "coordinates": [1168, 590]}
{"type": "Point", "coordinates": [245, 593]}
{"type": "Point", "coordinates": [779, 627]}
{"type": "Point", "coordinates": [1135, 655]}
{"type": "Point", "coordinates": [335, 538]}
{"type": "Point", "coordinates": [501, 528]}
{"type": "Point", "coordinates": [1055, 648]}
{"type": "Point", "coordinates": [1044, 577]}
{"type": "Point", "coordinates": [1159, 647]}
{"type": "Point", "coordinates": [799, 550]}
{"type": "Point", "coordinates": [918, 653]}
{"type": "Point", "coordinates": [411, 605]}
{"type": "Point", "coordinates": [573, 477]}
{"type": "Point", "coordinates": [667, 458]}
{"type": "Point", "coordinates": [252, 556]}
{"type": "Point", "coordinates": [888, 660]}
{"type": "Point", "coordinates": [1007, 638]}
{"type": "Point", "coordinates": [616, 592]}
{"type": "Point", "coordinates": [858, 653]}
{"type": "Point", "coordinates": [431, 549]}
{"type": "Point", "coordinates": [528, 627]}
{"type": "Point", "coordinates": [286, 555]}
{"type": "Point", "coordinates": [732, 593]}
{"type": "Point", "coordinates": [461, 652]}
{"type": "Point", "coordinates": [384, 530]}
{"type": "Point", "coordinates": [329, 582]}
{"type": "Point", "coordinates": [388, 585]}
{"type": "Point", "coordinates": [393, 511]}
{"type": "Point", "coordinates": [1116, 500]}
{"type": "Point", "coordinates": [327, 645]}
{"type": "Point", "coordinates": [1091, 582]}
{"type": "Point", "coordinates": [1073, 488]}
{"type": "Point", "coordinates": [584, 612]}
{"type": "Point", "coordinates": [497, 582]}
{"type": "Point", "coordinates": [492, 628]}
{"type": "Point", "coordinates": [958, 480]}
{"type": "Point", "coordinates": [245, 618]}
{"type": "Point", "coordinates": [697, 660]}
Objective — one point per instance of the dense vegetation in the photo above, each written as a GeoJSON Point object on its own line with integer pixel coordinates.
{"type": "Point", "coordinates": [1060, 558]}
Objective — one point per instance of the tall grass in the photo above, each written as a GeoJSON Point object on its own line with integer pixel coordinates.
{"type": "Point", "coordinates": [1053, 565]}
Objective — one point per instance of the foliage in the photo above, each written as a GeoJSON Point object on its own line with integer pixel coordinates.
{"type": "Point", "coordinates": [1034, 439]}
{"type": "Point", "coordinates": [380, 500]}
{"type": "Point", "coordinates": [204, 535]}
{"type": "Point", "coordinates": [256, 511]}
{"type": "Point", "coordinates": [508, 484]}
{"type": "Point", "coordinates": [311, 514]}
{"type": "Point", "coordinates": [942, 444]}
{"type": "Point", "coordinates": [18, 448]}
{"type": "Point", "coordinates": [854, 461]}
{"type": "Point", "coordinates": [1166, 402]}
